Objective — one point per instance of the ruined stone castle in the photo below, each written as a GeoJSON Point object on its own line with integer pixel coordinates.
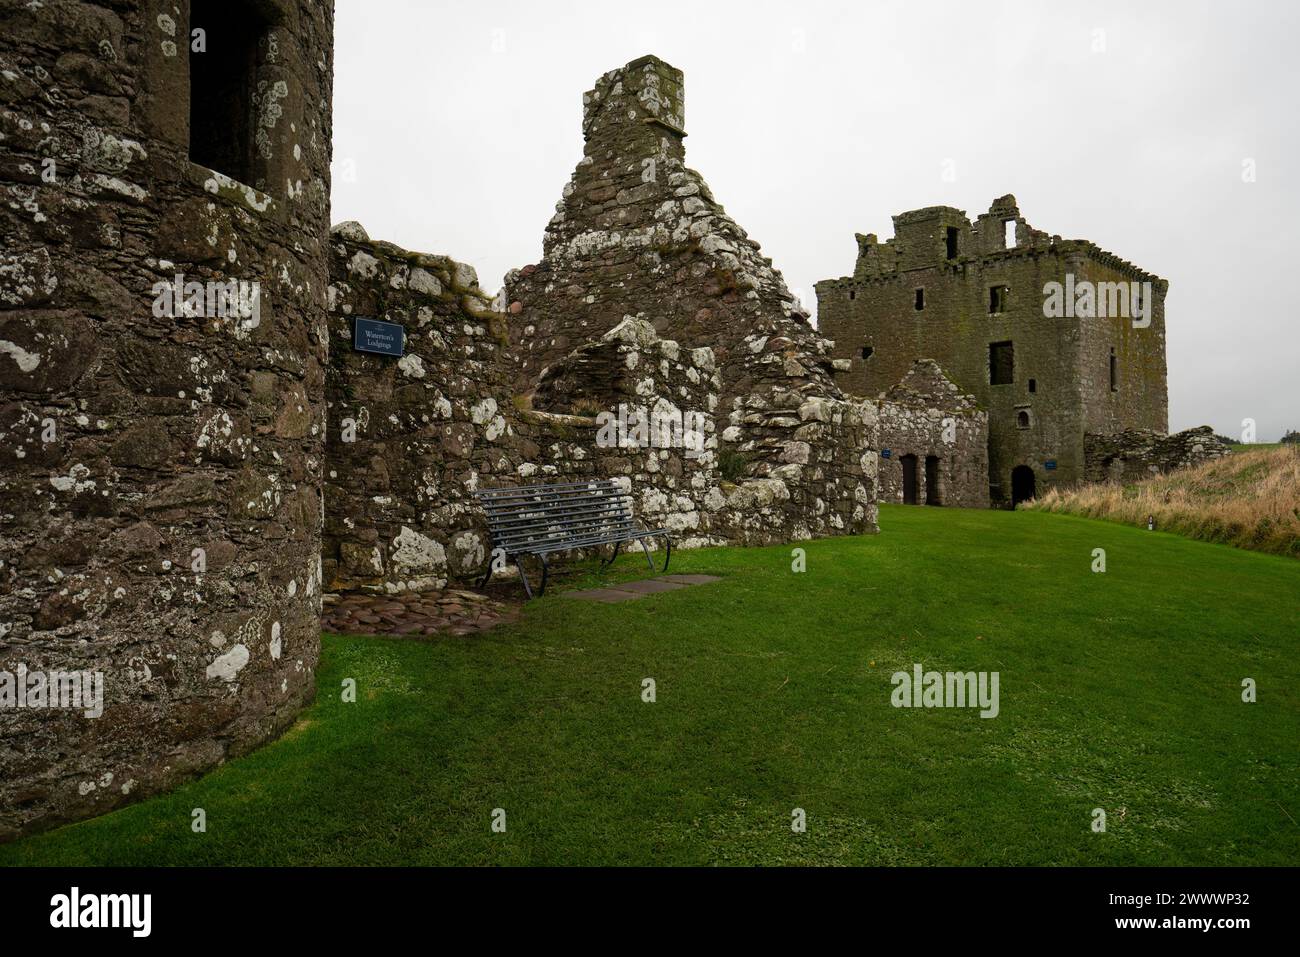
{"type": "Point", "coordinates": [1060, 342]}
{"type": "Point", "coordinates": [194, 451]}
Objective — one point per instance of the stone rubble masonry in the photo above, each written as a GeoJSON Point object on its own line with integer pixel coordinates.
{"type": "Point", "coordinates": [429, 429]}
{"type": "Point", "coordinates": [128, 441]}
{"type": "Point", "coordinates": [926, 415]}
{"type": "Point", "coordinates": [1067, 361]}
{"type": "Point", "coordinates": [1137, 454]}
{"type": "Point", "coordinates": [639, 236]}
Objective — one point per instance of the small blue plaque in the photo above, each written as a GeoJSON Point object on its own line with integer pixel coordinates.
{"type": "Point", "coordinates": [382, 338]}
{"type": "Point", "coordinates": [1050, 465]}
{"type": "Point", "coordinates": [884, 453]}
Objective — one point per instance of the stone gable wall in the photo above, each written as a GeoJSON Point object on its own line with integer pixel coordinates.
{"type": "Point", "coordinates": [638, 235]}
{"type": "Point", "coordinates": [926, 415]}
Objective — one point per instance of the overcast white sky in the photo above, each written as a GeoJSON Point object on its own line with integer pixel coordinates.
{"type": "Point", "coordinates": [457, 124]}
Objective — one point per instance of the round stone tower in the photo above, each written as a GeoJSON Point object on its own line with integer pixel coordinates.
{"type": "Point", "coordinates": [165, 178]}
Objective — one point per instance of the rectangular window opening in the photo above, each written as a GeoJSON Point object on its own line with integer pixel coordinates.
{"type": "Point", "coordinates": [224, 61]}
{"type": "Point", "coordinates": [920, 300]}
{"type": "Point", "coordinates": [1114, 371]}
{"type": "Point", "coordinates": [1009, 233]}
{"type": "Point", "coordinates": [951, 241]}
{"type": "Point", "coordinates": [998, 298]}
{"type": "Point", "coordinates": [1002, 363]}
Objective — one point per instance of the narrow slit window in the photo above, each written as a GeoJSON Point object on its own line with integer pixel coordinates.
{"type": "Point", "coordinates": [1033, 385]}
{"type": "Point", "coordinates": [1114, 371]}
{"type": "Point", "coordinates": [919, 302]}
{"type": "Point", "coordinates": [951, 237]}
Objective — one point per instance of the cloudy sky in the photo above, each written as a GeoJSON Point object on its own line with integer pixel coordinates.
{"type": "Point", "coordinates": [1135, 125]}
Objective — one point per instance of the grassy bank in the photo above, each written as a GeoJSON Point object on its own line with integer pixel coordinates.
{"type": "Point", "coordinates": [1119, 691]}
{"type": "Point", "coordinates": [1250, 499]}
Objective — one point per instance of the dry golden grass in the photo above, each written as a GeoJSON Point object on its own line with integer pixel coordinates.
{"type": "Point", "coordinates": [1250, 499]}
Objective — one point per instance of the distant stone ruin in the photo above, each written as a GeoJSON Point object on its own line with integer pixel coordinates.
{"type": "Point", "coordinates": [1059, 341]}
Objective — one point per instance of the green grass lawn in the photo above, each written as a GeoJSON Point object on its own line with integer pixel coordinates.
{"type": "Point", "coordinates": [1119, 690]}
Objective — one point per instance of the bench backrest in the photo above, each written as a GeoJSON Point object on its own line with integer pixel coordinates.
{"type": "Point", "coordinates": [542, 517]}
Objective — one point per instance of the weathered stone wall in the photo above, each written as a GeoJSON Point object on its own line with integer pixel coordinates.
{"type": "Point", "coordinates": [1061, 380]}
{"type": "Point", "coordinates": [411, 439]}
{"type": "Point", "coordinates": [927, 417]}
{"type": "Point", "coordinates": [161, 462]}
{"type": "Point", "coordinates": [1137, 454]}
{"type": "Point", "coordinates": [639, 235]}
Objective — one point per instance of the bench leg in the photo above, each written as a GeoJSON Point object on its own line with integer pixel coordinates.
{"type": "Point", "coordinates": [523, 577]}
{"type": "Point", "coordinates": [606, 562]}
{"type": "Point", "coordinates": [668, 551]}
{"type": "Point", "coordinates": [486, 576]}
{"type": "Point", "coordinates": [546, 572]}
{"type": "Point", "coordinates": [646, 548]}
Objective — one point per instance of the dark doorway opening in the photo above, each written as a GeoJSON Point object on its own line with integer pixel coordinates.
{"type": "Point", "coordinates": [1022, 484]}
{"type": "Point", "coordinates": [909, 479]}
{"type": "Point", "coordinates": [932, 480]}
{"type": "Point", "coordinates": [223, 77]}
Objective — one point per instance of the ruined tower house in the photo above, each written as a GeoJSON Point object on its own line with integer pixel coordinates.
{"type": "Point", "coordinates": [165, 171]}
{"type": "Point", "coordinates": [971, 296]}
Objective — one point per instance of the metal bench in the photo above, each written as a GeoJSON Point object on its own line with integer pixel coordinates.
{"type": "Point", "coordinates": [542, 519]}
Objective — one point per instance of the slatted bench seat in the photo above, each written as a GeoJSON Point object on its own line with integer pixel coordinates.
{"type": "Point", "coordinates": [540, 520]}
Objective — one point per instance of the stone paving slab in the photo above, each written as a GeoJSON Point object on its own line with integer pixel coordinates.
{"type": "Point", "coordinates": [626, 591]}
{"type": "Point", "coordinates": [607, 595]}
{"type": "Point", "coordinates": [647, 586]}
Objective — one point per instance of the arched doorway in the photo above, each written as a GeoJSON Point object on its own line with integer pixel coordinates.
{"type": "Point", "coordinates": [1022, 484]}
{"type": "Point", "coordinates": [909, 479]}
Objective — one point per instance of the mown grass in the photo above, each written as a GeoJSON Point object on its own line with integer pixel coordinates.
{"type": "Point", "coordinates": [1119, 690]}
{"type": "Point", "coordinates": [1250, 499]}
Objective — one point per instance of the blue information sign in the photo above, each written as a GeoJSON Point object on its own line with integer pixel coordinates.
{"type": "Point", "coordinates": [1051, 465]}
{"type": "Point", "coordinates": [884, 453]}
{"type": "Point", "coordinates": [383, 338]}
